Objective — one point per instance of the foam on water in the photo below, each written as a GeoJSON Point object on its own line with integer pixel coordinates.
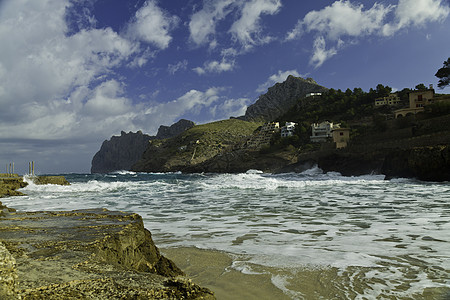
{"type": "Point", "coordinates": [396, 229]}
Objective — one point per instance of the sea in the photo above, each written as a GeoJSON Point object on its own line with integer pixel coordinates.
{"type": "Point", "coordinates": [310, 235]}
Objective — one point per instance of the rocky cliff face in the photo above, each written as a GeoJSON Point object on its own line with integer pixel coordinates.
{"type": "Point", "coordinates": [121, 152]}
{"type": "Point", "coordinates": [165, 132]}
{"type": "Point", "coordinates": [280, 98]}
{"type": "Point", "coordinates": [425, 163]}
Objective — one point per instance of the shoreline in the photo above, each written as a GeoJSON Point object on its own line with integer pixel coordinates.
{"type": "Point", "coordinates": [86, 254]}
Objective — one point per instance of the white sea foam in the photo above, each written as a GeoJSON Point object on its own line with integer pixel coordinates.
{"type": "Point", "coordinates": [281, 221]}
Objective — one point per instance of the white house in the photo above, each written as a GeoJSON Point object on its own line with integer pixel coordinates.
{"type": "Point", "coordinates": [288, 129]}
{"type": "Point", "coordinates": [321, 132]}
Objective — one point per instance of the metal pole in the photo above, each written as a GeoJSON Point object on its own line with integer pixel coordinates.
{"type": "Point", "coordinates": [33, 167]}
{"type": "Point", "coordinates": [13, 168]}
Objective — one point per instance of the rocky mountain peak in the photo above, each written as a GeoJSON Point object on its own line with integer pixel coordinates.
{"type": "Point", "coordinates": [280, 98]}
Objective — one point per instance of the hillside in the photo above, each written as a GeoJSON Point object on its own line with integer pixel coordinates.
{"type": "Point", "coordinates": [121, 152]}
{"type": "Point", "coordinates": [194, 146]}
{"type": "Point", "coordinates": [280, 98]}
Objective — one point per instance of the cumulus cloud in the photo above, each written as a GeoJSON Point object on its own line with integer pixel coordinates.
{"type": "Point", "coordinates": [344, 22]}
{"type": "Point", "coordinates": [275, 78]}
{"type": "Point", "coordinates": [416, 13]}
{"type": "Point", "coordinates": [215, 67]}
{"type": "Point", "coordinates": [202, 26]}
{"type": "Point", "coordinates": [152, 25]}
{"type": "Point", "coordinates": [247, 29]}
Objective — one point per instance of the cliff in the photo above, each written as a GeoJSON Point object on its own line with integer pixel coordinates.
{"type": "Point", "coordinates": [280, 98]}
{"type": "Point", "coordinates": [165, 132]}
{"type": "Point", "coordinates": [121, 152]}
{"type": "Point", "coordinates": [194, 146]}
{"type": "Point", "coordinates": [86, 254]}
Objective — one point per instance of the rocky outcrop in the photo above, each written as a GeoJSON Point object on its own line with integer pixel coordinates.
{"type": "Point", "coordinates": [280, 98]}
{"type": "Point", "coordinates": [9, 185]}
{"type": "Point", "coordinates": [86, 254]}
{"type": "Point", "coordinates": [165, 132]}
{"type": "Point", "coordinates": [42, 180]}
{"type": "Point", "coordinates": [425, 163]}
{"type": "Point", "coordinates": [121, 152]}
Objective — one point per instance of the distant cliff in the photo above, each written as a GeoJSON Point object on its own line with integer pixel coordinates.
{"type": "Point", "coordinates": [280, 98]}
{"type": "Point", "coordinates": [121, 152]}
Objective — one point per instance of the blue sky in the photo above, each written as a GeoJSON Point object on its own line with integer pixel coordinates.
{"type": "Point", "coordinates": [74, 73]}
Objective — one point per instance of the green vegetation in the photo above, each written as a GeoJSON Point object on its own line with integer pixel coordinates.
{"type": "Point", "coordinates": [444, 74]}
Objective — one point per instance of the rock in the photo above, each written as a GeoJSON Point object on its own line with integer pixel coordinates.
{"type": "Point", "coordinates": [165, 132]}
{"type": "Point", "coordinates": [8, 274]}
{"type": "Point", "coordinates": [120, 153]}
{"type": "Point", "coordinates": [58, 180]}
{"type": "Point", "coordinates": [89, 254]}
{"type": "Point", "coordinates": [430, 163]}
{"type": "Point", "coordinates": [280, 98]}
{"type": "Point", "coordinates": [10, 185]}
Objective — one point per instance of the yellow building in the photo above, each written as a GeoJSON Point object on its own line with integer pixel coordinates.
{"type": "Point", "coordinates": [417, 101]}
{"type": "Point", "coordinates": [392, 99]}
{"type": "Point", "coordinates": [341, 136]}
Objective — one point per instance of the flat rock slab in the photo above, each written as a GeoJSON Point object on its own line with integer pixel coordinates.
{"type": "Point", "coordinates": [90, 254]}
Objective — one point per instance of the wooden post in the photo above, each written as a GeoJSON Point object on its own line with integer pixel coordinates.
{"type": "Point", "coordinates": [33, 167]}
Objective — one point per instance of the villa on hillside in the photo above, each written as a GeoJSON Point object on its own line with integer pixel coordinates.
{"type": "Point", "coordinates": [392, 99]}
{"type": "Point", "coordinates": [417, 101]}
{"type": "Point", "coordinates": [322, 132]}
{"type": "Point", "coordinates": [288, 129]}
{"type": "Point", "coordinates": [313, 94]}
{"type": "Point", "coordinates": [327, 131]}
{"type": "Point", "coordinates": [341, 136]}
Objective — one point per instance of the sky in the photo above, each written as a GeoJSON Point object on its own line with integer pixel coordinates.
{"type": "Point", "coordinates": [73, 73]}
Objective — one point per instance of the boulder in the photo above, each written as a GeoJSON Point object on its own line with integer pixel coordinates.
{"type": "Point", "coordinates": [87, 254]}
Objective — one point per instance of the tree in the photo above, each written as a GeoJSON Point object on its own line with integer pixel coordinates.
{"type": "Point", "coordinates": [444, 74]}
{"type": "Point", "coordinates": [421, 87]}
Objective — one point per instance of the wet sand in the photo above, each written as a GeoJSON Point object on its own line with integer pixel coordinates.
{"type": "Point", "coordinates": [213, 269]}
{"type": "Point", "coordinates": [216, 271]}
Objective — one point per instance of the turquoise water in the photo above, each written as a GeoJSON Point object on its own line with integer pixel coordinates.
{"type": "Point", "coordinates": [385, 239]}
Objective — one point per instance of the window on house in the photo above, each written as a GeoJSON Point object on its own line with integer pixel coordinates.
{"type": "Point", "coordinates": [341, 133]}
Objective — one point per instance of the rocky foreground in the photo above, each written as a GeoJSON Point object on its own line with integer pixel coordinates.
{"type": "Point", "coordinates": [85, 254]}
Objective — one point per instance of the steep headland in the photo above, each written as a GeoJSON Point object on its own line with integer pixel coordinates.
{"type": "Point", "coordinates": [121, 152]}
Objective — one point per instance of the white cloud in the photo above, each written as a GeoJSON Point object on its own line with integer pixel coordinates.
{"type": "Point", "coordinates": [416, 13]}
{"type": "Point", "coordinates": [275, 78]}
{"type": "Point", "coordinates": [344, 22]}
{"type": "Point", "coordinates": [191, 102]}
{"type": "Point", "coordinates": [202, 25]}
{"type": "Point", "coordinates": [247, 30]}
{"type": "Point", "coordinates": [152, 25]}
{"type": "Point", "coordinates": [230, 108]}
{"type": "Point", "coordinates": [215, 67]}
{"type": "Point", "coordinates": [343, 18]}
{"type": "Point", "coordinates": [320, 53]}
{"type": "Point", "coordinates": [181, 65]}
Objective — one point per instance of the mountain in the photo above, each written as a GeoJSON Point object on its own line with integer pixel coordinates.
{"type": "Point", "coordinates": [194, 146]}
{"type": "Point", "coordinates": [280, 98]}
{"type": "Point", "coordinates": [121, 152]}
